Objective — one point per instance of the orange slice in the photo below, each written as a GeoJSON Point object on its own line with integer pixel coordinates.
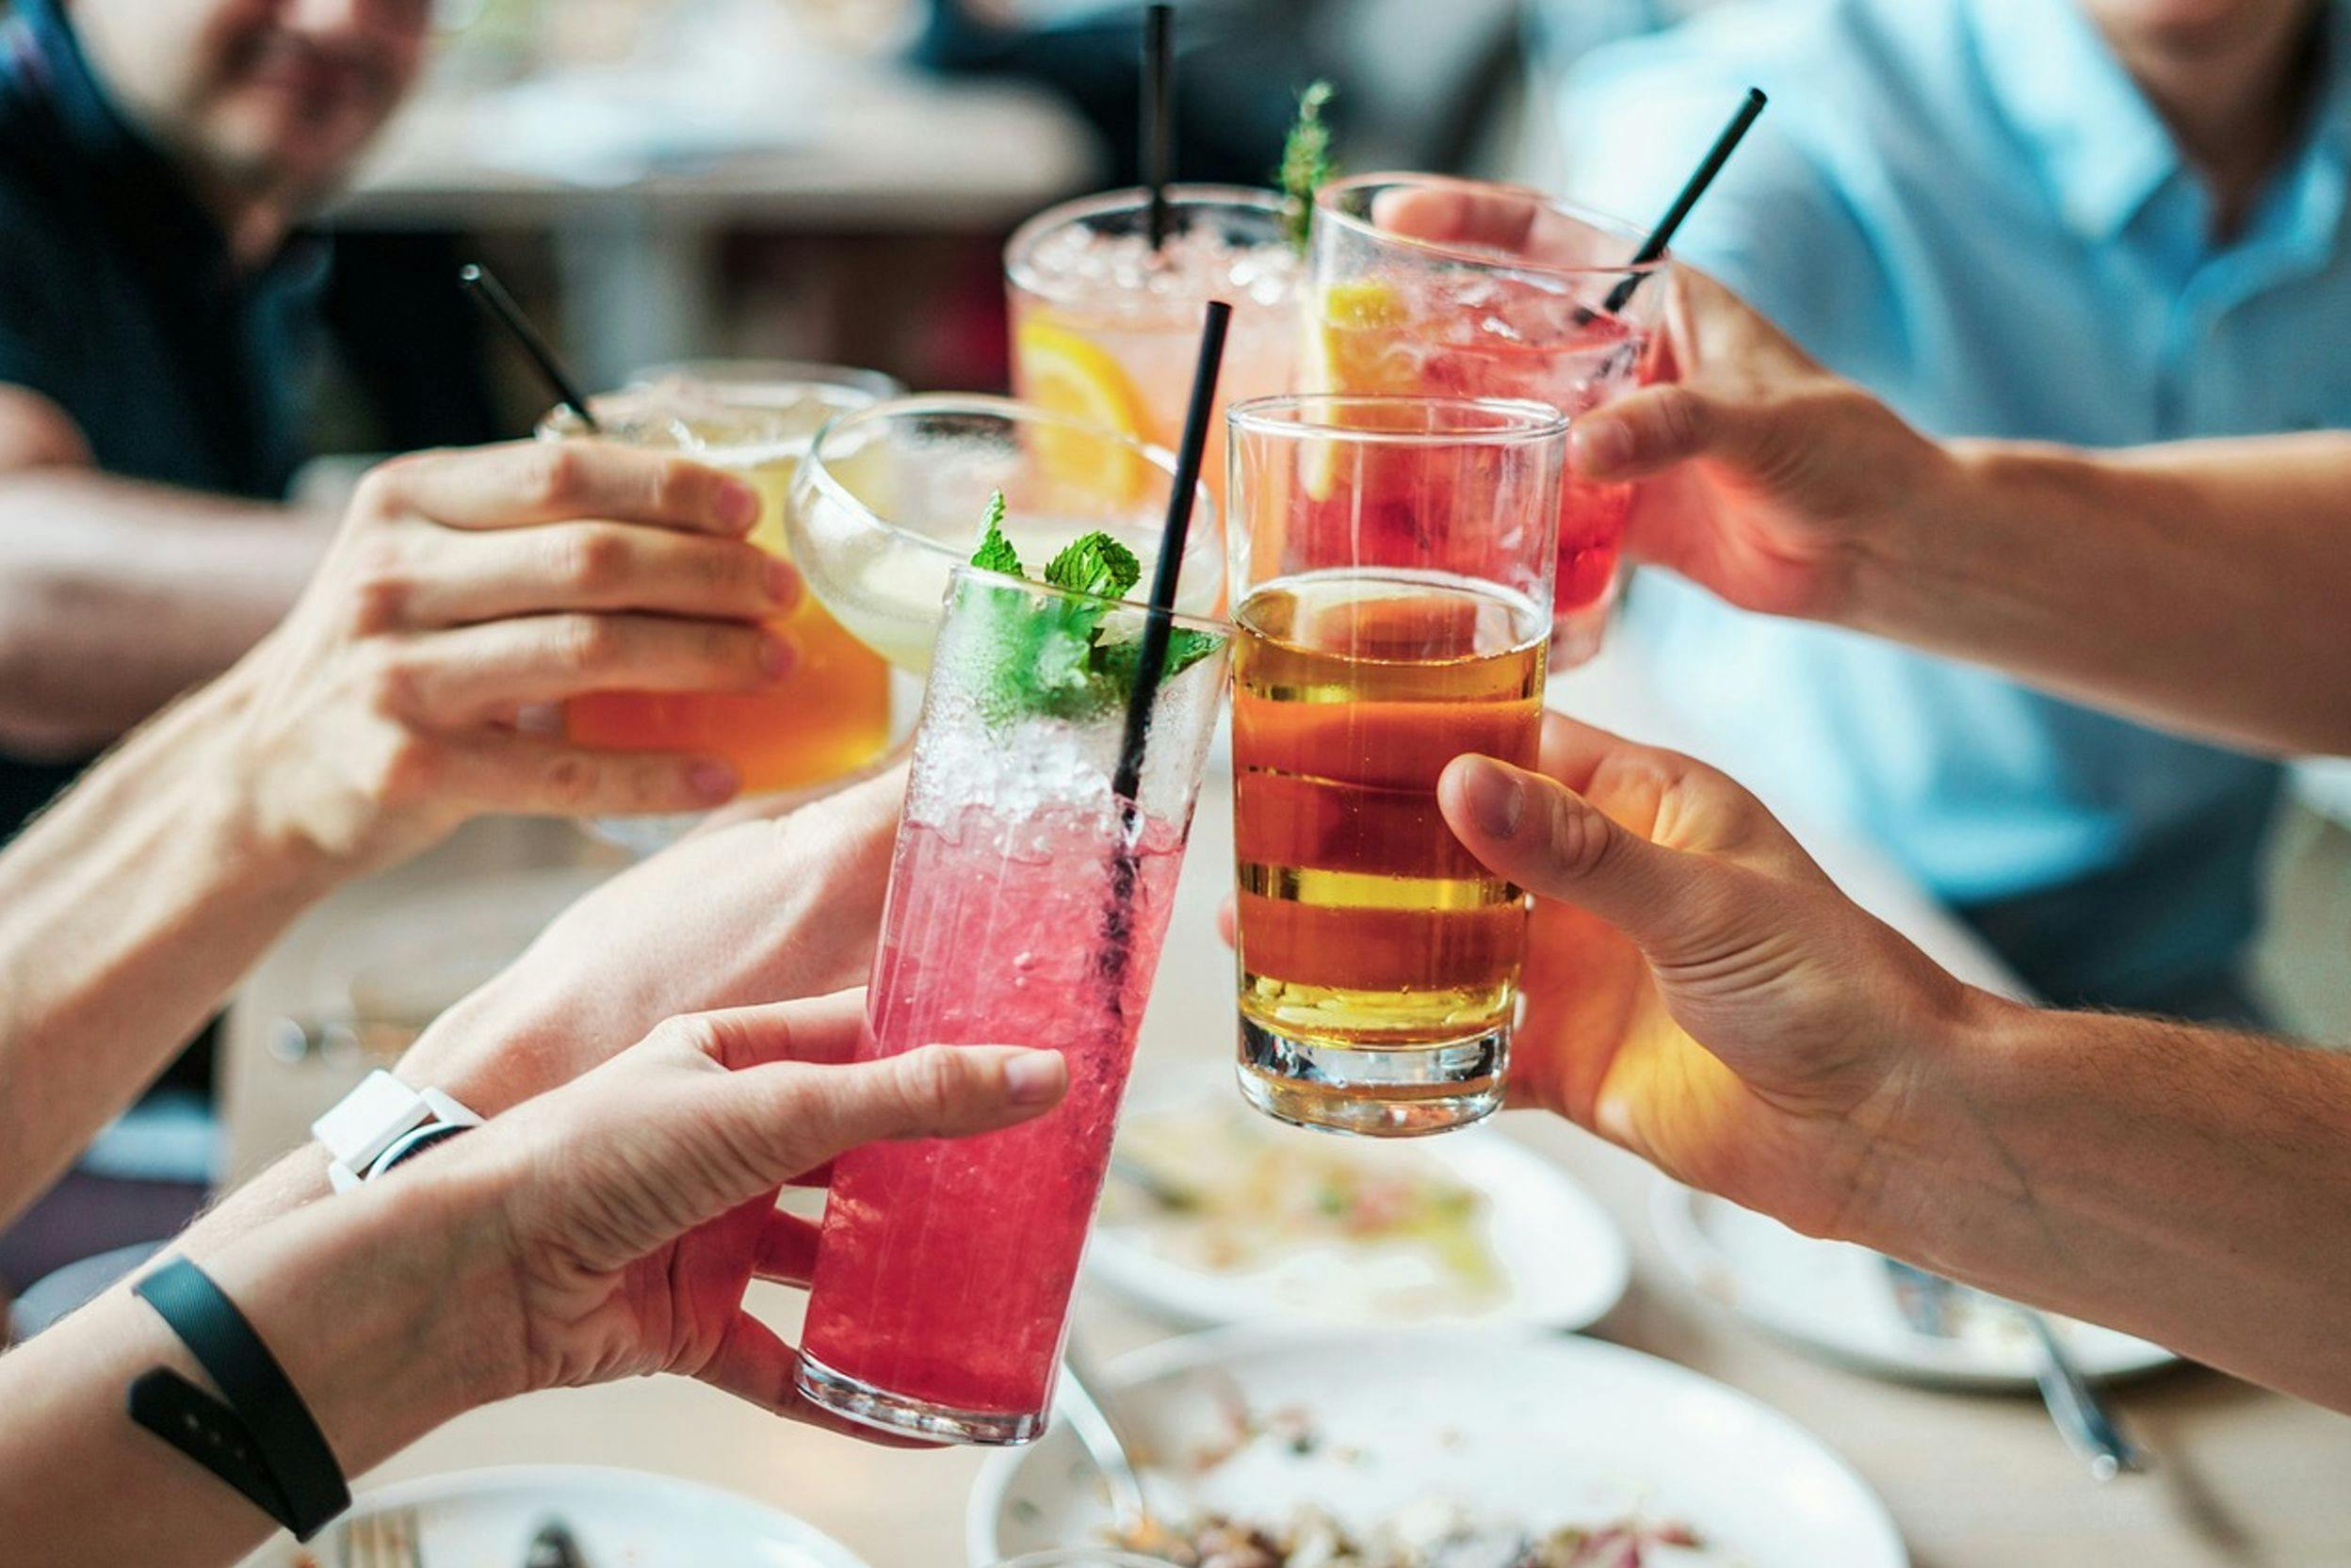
{"type": "Point", "coordinates": [1069, 374]}
{"type": "Point", "coordinates": [1354, 345]}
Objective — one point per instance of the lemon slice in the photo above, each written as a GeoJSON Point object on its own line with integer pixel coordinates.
{"type": "Point", "coordinates": [1069, 374]}
{"type": "Point", "coordinates": [1354, 345]}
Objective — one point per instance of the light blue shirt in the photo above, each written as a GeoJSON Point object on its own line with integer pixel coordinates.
{"type": "Point", "coordinates": [1967, 206]}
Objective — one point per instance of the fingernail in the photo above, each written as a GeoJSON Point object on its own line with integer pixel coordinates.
{"type": "Point", "coordinates": [1496, 799]}
{"type": "Point", "coordinates": [1035, 1078]}
{"type": "Point", "coordinates": [738, 504]}
{"type": "Point", "coordinates": [1602, 446]}
{"type": "Point", "coordinates": [777, 655]}
{"type": "Point", "coordinates": [783, 582]}
{"type": "Point", "coordinates": [713, 780]}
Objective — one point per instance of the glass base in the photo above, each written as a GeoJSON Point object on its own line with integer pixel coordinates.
{"type": "Point", "coordinates": [1577, 635]}
{"type": "Point", "coordinates": [1373, 1093]}
{"type": "Point", "coordinates": [854, 1400]}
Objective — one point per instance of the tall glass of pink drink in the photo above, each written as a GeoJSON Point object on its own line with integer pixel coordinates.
{"type": "Point", "coordinates": [1027, 906]}
{"type": "Point", "coordinates": [1424, 285]}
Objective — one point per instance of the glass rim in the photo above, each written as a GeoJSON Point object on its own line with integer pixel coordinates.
{"type": "Point", "coordinates": [759, 373]}
{"type": "Point", "coordinates": [816, 473]}
{"type": "Point", "coordinates": [1519, 421]}
{"type": "Point", "coordinates": [1327, 199]}
{"type": "Point", "coordinates": [966, 572]}
{"type": "Point", "coordinates": [1017, 249]}
{"type": "Point", "coordinates": [849, 391]}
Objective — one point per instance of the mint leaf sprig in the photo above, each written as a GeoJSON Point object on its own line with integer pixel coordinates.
{"type": "Point", "coordinates": [1054, 658]}
{"type": "Point", "coordinates": [1307, 162]}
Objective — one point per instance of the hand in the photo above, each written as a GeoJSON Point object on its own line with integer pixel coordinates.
{"type": "Point", "coordinates": [727, 918]}
{"type": "Point", "coordinates": [626, 1213]}
{"type": "Point", "coordinates": [465, 586]}
{"type": "Point", "coordinates": [1695, 989]}
{"type": "Point", "coordinates": [1766, 479]}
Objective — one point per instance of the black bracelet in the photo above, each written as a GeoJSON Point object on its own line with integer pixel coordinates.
{"type": "Point", "coordinates": [264, 1441]}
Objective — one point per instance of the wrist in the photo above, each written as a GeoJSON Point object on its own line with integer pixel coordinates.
{"type": "Point", "coordinates": [384, 1307]}
{"type": "Point", "coordinates": [1937, 1161]}
{"type": "Point", "coordinates": [491, 1050]}
{"type": "Point", "coordinates": [1939, 503]}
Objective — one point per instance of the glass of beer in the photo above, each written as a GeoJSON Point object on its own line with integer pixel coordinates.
{"type": "Point", "coordinates": [1392, 562]}
{"type": "Point", "coordinates": [830, 718]}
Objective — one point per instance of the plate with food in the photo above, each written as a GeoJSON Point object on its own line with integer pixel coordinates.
{"type": "Point", "coordinates": [499, 1517]}
{"type": "Point", "coordinates": [1845, 1303]}
{"type": "Point", "coordinates": [1216, 1215]}
{"type": "Point", "coordinates": [1431, 1448]}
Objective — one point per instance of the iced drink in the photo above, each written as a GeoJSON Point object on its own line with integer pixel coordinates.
{"type": "Point", "coordinates": [1539, 318]}
{"type": "Point", "coordinates": [1027, 906]}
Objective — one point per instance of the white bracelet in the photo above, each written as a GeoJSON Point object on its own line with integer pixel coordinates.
{"type": "Point", "coordinates": [382, 1123]}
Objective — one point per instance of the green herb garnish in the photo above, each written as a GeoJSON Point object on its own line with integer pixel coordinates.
{"type": "Point", "coordinates": [1096, 564]}
{"type": "Point", "coordinates": [1057, 658]}
{"type": "Point", "coordinates": [1306, 161]}
{"type": "Point", "coordinates": [996, 552]}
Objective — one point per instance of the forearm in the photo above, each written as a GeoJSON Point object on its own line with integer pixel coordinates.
{"type": "Point", "coordinates": [115, 596]}
{"type": "Point", "coordinates": [127, 912]}
{"type": "Point", "coordinates": [356, 1301]}
{"type": "Point", "coordinates": [2191, 1186]}
{"type": "Point", "coordinates": [2200, 586]}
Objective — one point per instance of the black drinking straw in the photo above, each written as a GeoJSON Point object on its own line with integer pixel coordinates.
{"type": "Point", "coordinates": [482, 285]}
{"type": "Point", "coordinates": [1158, 114]}
{"type": "Point", "coordinates": [1691, 189]}
{"type": "Point", "coordinates": [1151, 658]}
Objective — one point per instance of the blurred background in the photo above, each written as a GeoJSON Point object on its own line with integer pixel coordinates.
{"type": "Point", "coordinates": [833, 180]}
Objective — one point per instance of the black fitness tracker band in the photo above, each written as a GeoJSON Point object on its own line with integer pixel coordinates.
{"type": "Point", "coordinates": [263, 1441]}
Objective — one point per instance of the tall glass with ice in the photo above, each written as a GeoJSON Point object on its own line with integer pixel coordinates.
{"type": "Point", "coordinates": [1027, 906]}
{"type": "Point", "coordinates": [1429, 286]}
{"type": "Point", "coordinates": [1107, 329]}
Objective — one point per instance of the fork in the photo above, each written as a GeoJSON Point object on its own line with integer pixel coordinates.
{"type": "Point", "coordinates": [1925, 1301]}
{"type": "Point", "coordinates": [382, 1538]}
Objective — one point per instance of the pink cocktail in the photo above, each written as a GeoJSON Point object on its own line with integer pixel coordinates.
{"type": "Point", "coordinates": [1027, 906]}
{"type": "Point", "coordinates": [1428, 286]}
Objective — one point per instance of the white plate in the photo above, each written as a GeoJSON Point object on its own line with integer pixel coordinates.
{"type": "Point", "coordinates": [1831, 1297]}
{"type": "Point", "coordinates": [485, 1519]}
{"type": "Point", "coordinates": [1529, 1429]}
{"type": "Point", "coordinates": [1562, 1262]}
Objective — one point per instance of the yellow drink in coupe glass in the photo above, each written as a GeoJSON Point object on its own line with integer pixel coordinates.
{"type": "Point", "coordinates": [831, 716]}
{"type": "Point", "coordinates": [1108, 330]}
{"type": "Point", "coordinates": [890, 501]}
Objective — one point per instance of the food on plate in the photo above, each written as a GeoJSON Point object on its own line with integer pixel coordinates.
{"type": "Point", "coordinates": [1378, 1229]}
{"type": "Point", "coordinates": [1432, 1533]}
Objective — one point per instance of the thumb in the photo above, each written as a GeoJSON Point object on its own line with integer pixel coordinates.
{"type": "Point", "coordinates": [1538, 833]}
{"type": "Point", "coordinates": [807, 1115]}
{"type": "Point", "coordinates": [1645, 432]}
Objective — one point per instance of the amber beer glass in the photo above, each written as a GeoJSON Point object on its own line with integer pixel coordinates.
{"type": "Point", "coordinates": [1392, 563]}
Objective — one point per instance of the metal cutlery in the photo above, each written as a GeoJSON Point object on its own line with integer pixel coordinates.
{"type": "Point", "coordinates": [553, 1547]}
{"type": "Point", "coordinates": [1932, 1304]}
{"type": "Point", "coordinates": [1098, 1432]}
{"type": "Point", "coordinates": [382, 1538]}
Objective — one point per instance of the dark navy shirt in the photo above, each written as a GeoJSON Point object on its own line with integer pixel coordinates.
{"type": "Point", "coordinates": [120, 303]}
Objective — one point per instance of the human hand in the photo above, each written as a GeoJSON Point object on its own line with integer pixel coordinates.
{"type": "Point", "coordinates": [465, 586]}
{"type": "Point", "coordinates": [1695, 988]}
{"type": "Point", "coordinates": [1766, 479]}
{"type": "Point", "coordinates": [1763, 478]}
{"type": "Point", "coordinates": [726, 917]}
{"type": "Point", "coordinates": [617, 1221]}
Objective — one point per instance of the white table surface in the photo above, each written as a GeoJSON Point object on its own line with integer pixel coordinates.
{"type": "Point", "coordinates": [2246, 1477]}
